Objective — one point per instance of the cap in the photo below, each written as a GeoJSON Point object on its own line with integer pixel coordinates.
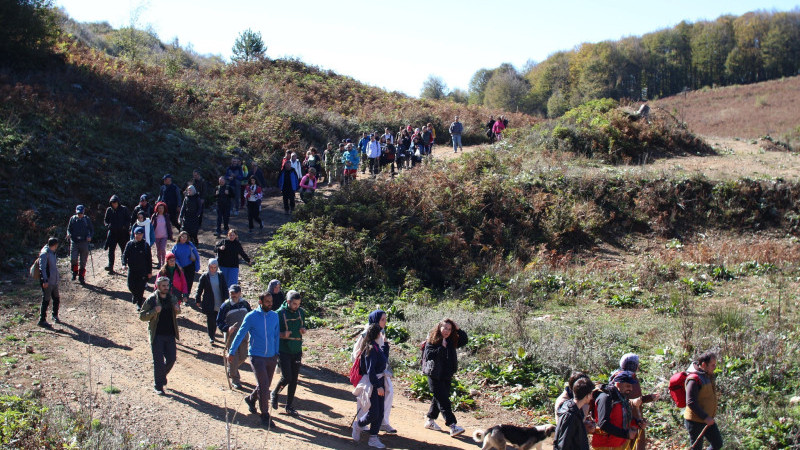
{"type": "Point", "coordinates": [79, 209]}
{"type": "Point", "coordinates": [143, 198]}
{"type": "Point", "coordinates": [234, 288]}
{"type": "Point", "coordinates": [624, 376]}
{"type": "Point", "coordinates": [213, 262]}
{"type": "Point", "coordinates": [348, 140]}
{"type": "Point", "coordinates": [170, 255]}
{"type": "Point", "coordinates": [138, 230]}
{"type": "Point", "coordinates": [165, 177]}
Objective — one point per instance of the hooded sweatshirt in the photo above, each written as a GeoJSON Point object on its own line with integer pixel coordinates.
{"type": "Point", "coordinates": [264, 332]}
{"type": "Point", "coordinates": [570, 432]}
{"type": "Point", "coordinates": [291, 321]}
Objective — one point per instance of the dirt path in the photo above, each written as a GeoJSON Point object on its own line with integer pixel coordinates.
{"type": "Point", "coordinates": [102, 342]}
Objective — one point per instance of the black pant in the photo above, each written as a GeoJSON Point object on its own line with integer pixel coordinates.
{"type": "Point", "coordinates": [164, 354]}
{"type": "Point", "coordinates": [373, 417]}
{"type": "Point", "coordinates": [374, 166]}
{"type": "Point", "coordinates": [712, 434]}
{"type": "Point", "coordinates": [441, 401]}
{"type": "Point", "coordinates": [211, 323]}
{"type": "Point", "coordinates": [47, 293]}
{"type": "Point", "coordinates": [137, 283]}
{"type": "Point", "coordinates": [290, 371]}
{"type": "Point", "coordinates": [223, 217]}
{"type": "Point", "coordinates": [173, 216]}
{"type": "Point", "coordinates": [192, 235]}
{"type": "Point", "coordinates": [116, 239]}
{"type": "Point", "coordinates": [263, 368]}
{"type": "Point", "coordinates": [188, 273]}
{"type": "Point", "coordinates": [254, 214]}
{"type": "Point", "coordinates": [288, 200]}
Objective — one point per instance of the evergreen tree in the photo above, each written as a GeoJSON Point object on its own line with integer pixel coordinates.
{"type": "Point", "coordinates": [249, 46]}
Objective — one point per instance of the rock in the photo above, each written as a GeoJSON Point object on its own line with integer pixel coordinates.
{"type": "Point", "coordinates": [29, 349]}
{"type": "Point", "coordinates": [3, 354]}
{"type": "Point", "coordinates": [474, 392]}
{"type": "Point", "coordinates": [794, 400]}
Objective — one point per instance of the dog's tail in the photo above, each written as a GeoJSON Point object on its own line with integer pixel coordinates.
{"type": "Point", "coordinates": [477, 436]}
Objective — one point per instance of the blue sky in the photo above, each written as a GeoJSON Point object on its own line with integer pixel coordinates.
{"type": "Point", "coordinates": [396, 45]}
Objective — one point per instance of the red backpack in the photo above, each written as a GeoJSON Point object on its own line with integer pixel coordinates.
{"type": "Point", "coordinates": [355, 371]}
{"type": "Point", "coordinates": [677, 387]}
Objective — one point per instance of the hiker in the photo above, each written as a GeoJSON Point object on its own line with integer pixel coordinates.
{"type": "Point", "coordinates": [288, 182]}
{"type": "Point", "coordinates": [432, 139]}
{"type": "Point", "coordinates": [144, 206]}
{"type": "Point", "coordinates": [235, 175]}
{"type": "Point", "coordinates": [313, 161]}
{"type": "Point", "coordinates": [278, 296]}
{"type": "Point", "coordinates": [362, 150]}
{"type": "Point", "coordinates": [417, 148]}
{"type": "Point", "coordinates": [137, 259]}
{"type": "Point", "coordinates": [253, 196]}
{"type": "Point", "coordinates": [228, 252]}
{"type": "Point", "coordinates": [440, 363]}
{"type": "Point", "coordinates": [490, 129]}
{"type": "Point", "coordinates": [161, 310]}
{"type": "Point", "coordinates": [255, 171]}
{"type": "Point", "coordinates": [170, 194]}
{"type": "Point", "coordinates": [332, 162]}
{"type": "Point", "coordinates": [187, 258]}
{"type": "Point", "coordinates": [48, 265]}
{"type": "Point", "coordinates": [162, 230]}
{"type": "Point", "coordinates": [375, 361]}
{"type": "Point", "coordinates": [350, 160]}
{"type": "Point", "coordinates": [212, 292]}
{"type": "Point", "coordinates": [190, 214]}
{"type": "Point", "coordinates": [224, 195]}
{"type": "Point", "coordinates": [79, 233]}
{"type": "Point", "coordinates": [570, 431]}
{"type": "Point", "coordinates": [145, 223]}
{"type": "Point", "coordinates": [261, 324]}
{"type": "Point", "coordinates": [241, 307]}
{"type": "Point", "coordinates": [498, 128]}
{"type": "Point", "coordinates": [630, 362]}
{"type": "Point", "coordinates": [701, 402]}
{"type": "Point", "coordinates": [568, 394]}
{"type": "Point", "coordinates": [362, 392]}
{"type": "Point", "coordinates": [616, 427]}
{"type": "Point", "coordinates": [296, 165]}
{"type": "Point", "coordinates": [403, 144]}
{"type": "Point", "coordinates": [177, 281]}
{"type": "Point", "coordinates": [456, 128]}
{"type": "Point", "coordinates": [292, 321]}
{"type": "Point", "coordinates": [201, 187]}
{"type": "Point", "coordinates": [427, 139]}
{"type": "Point", "coordinates": [388, 156]}
{"type": "Point", "coordinates": [117, 222]}
{"type": "Point", "coordinates": [308, 185]}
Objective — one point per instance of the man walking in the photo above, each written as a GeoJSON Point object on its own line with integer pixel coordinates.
{"type": "Point", "coordinates": [138, 261]}
{"type": "Point", "coordinates": [191, 214]}
{"type": "Point", "coordinates": [161, 310]}
{"type": "Point", "coordinates": [79, 233]}
{"type": "Point", "coordinates": [374, 152]}
{"type": "Point", "coordinates": [292, 319]}
{"type": "Point", "coordinates": [701, 402]}
{"type": "Point", "coordinates": [117, 222]}
{"type": "Point", "coordinates": [261, 325]}
{"type": "Point", "coordinates": [171, 195]}
{"type": "Point", "coordinates": [224, 195]}
{"type": "Point", "coordinates": [229, 318]}
{"type": "Point", "coordinates": [201, 187]}
{"type": "Point", "coordinates": [235, 175]}
{"type": "Point", "coordinates": [456, 128]}
{"type": "Point", "coordinates": [48, 264]}
{"type": "Point", "coordinates": [615, 423]}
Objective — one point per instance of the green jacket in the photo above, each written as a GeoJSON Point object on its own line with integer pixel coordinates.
{"type": "Point", "coordinates": [291, 321]}
{"type": "Point", "coordinates": [148, 313]}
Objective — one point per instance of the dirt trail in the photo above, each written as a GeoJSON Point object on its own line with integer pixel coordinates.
{"type": "Point", "coordinates": [101, 341]}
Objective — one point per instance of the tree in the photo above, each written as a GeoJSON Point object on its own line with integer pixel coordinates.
{"type": "Point", "coordinates": [477, 86]}
{"type": "Point", "coordinates": [459, 96]}
{"type": "Point", "coordinates": [27, 28]}
{"type": "Point", "coordinates": [249, 46]}
{"type": "Point", "coordinates": [433, 88]}
{"type": "Point", "coordinates": [506, 90]}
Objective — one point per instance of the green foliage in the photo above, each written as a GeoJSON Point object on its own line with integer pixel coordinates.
{"type": "Point", "coordinates": [433, 88]}
{"type": "Point", "coordinates": [20, 420]}
{"type": "Point", "coordinates": [111, 389]}
{"type": "Point", "coordinates": [396, 333]}
{"type": "Point", "coordinates": [698, 287]}
{"type": "Point", "coordinates": [28, 30]}
{"type": "Point", "coordinates": [459, 394]}
{"type": "Point", "coordinates": [249, 46]}
{"type": "Point", "coordinates": [539, 396]}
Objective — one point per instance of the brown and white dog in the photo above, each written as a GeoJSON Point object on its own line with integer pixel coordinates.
{"type": "Point", "coordinates": [523, 438]}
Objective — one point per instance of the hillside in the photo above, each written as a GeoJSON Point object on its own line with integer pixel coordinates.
{"type": "Point", "coordinates": [745, 111]}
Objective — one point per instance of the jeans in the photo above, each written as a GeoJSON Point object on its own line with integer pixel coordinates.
{"type": "Point", "coordinates": [263, 368]}
{"type": "Point", "coordinates": [441, 401]}
{"type": "Point", "coordinates": [223, 217]}
{"type": "Point", "coordinates": [79, 249]}
{"type": "Point", "coordinates": [231, 275]}
{"type": "Point", "coordinates": [457, 142]}
{"type": "Point", "coordinates": [164, 354]}
{"type": "Point", "coordinates": [254, 214]}
{"type": "Point", "coordinates": [290, 371]}
{"type": "Point", "coordinates": [161, 251]}
{"type": "Point", "coordinates": [712, 434]}
{"type": "Point", "coordinates": [51, 291]}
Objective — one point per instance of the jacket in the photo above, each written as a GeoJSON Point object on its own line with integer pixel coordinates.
{"type": "Point", "coordinates": [375, 363]}
{"type": "Point", "coordinates": [149, 230]}
{"type": "Point", "coordinates": [227, 307]}
{"type": "Point", "coordinates": [291, 321]}
{"type": "Point", "coordinates": [171, 196]}
{"type": "Point", "coordinates": [701, 397]}
{"type": "Point", "coordinates": [79, 229]}
{"type": "Point", "coordinates": [445, 359]}
{"type": "Point", "coordinates": [117, 220]}
{"type": "Point", "coordinates": [224, 195]}
{"type": "Point", "coordinates": [230, 256]}
{"type": "Point", "coordinates": [183, 255]}
{"type": "Point", "coordinates": [373, 149]}
{"type": "Point", "coordinates": [308, 182]}
{"type": "Point", "coordinates": [362, 144]}
{"type": "Point", "coordinates": [147, 210]}
{"type": "Point", "coordinates": [234, 175]}
{"type": "Point", "coordinates": [149, 314]}
{"type": "Point", "coordinates": [570, 432]}
{"type": "Point", "coordinates": [138, 257]}
{"type": "Point", "coordinates": [456, 128]}
{"type": "Point", "coordinates": [498, 127]}
{"type": "Point", "coordinates": [177, 280]}
{"type": "Point", "coordinates": [166, 216]}
{"type": "Point", "coordinates": [48, 263]}
{"type": "Point", "coordinates": [264, 333]}
{"type": "Point", "coordinates": [350, 159]}
{"type": "Point", "coordinates": [614, 418]}
{"type": "Point", "coordinates": [253, 195]}
{"type": "Point", "coordinates": [205, 295]}
{"type": "Point", "coordinates": [288, 184]}
{"type": "Point", "coordinates": [189, 217]}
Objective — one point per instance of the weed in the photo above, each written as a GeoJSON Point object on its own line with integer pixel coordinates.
{"type": "Point", "coordinates": [111, 389]}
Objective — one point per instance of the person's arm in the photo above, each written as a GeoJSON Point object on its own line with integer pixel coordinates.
{"type": "Point", "coordinates": [198, 296]}
{"type": "Point", "coordinates": [126, 254]}
{"type": "Point", "coordinates": [221, 315]}
{"type": "Point", "coordinates": [148, 310]}
{"type": "Point", "coordinates": [107, 218]}
{"type": "Point", "coordinates": [90, 227]}
{"type": "Point", "coordinates": [244, 328]}
{"type": "Point", "coordinates": [566, 432]}
{"type": "Point", "coordinates": [462, 338]}
{"type": "Point", "coordinates": [692, 390]}
{"type": "Point", "coordinates": [604, 407]}
{"type": "Point", "coordinates": [196, 257]}
{"type": "Point", "coordinates": [371, 361]}
{"type": "Point", "coordinates": [240, 251]}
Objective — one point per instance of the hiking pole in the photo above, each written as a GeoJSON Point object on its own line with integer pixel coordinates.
{"type": "Point", "coordinates": [91, 260]}
{"type": "Point", "coordinates": [700, 438]}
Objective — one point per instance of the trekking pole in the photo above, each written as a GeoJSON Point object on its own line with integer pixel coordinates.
{"type": "Point", "coordinates": [91, 260]}
{"type": "Point", "coordinates": [700, 438]}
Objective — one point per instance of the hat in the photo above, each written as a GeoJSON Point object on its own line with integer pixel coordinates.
{"type": "Point", "coordinates": [170, 255]}
{"type": "Point", "coordinates": [629, 362]}
{"type": "Point", "coordinates": [113, 199]}
{"type": "Point", "coordinates": [165, 177]}
{"type": "Point", "coordinates": [138, 230]}
{"type": "Point", "coordinates": [213, 262]}
{"type": "Point", "coordinates": [348, 140]}
{"type": "Point", "coordinates": [143, 198]}
{"type": "Point", "coordinates": [624, 376]}
{"type": "Point", "coordinates": [79, 209]}
{"type": "Point", "coordinates": [234, 288]}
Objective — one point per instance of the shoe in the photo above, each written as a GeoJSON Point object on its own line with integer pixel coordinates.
{"type": "Point", "coordinates": [267, 422]}
{"type": "Point", "coordinates": [431, 425]}
{"type": "Point", "coordinates": [74, 275]}
{"type": "Point", "coordinates": [159, 390]}
{"type": "Point", "coordinates": [251, 405]}
{"type": "Point", "coordinates": [211, 341]}
{"type": "Point", "coordinates": [386, 428]}
{"type": "Point", "coordinates": [455, 430]}
{"type": "Point", "coordinates": [356, 431]}
{"type": "Point", "coordinates": [44, 324]}
{"type": "Point", "coordinates": [375, 442]}
{"type": "Point", "coordinates": [273, 398]}
{"type": "Point", "coordinates": [82, 280]}
{"type": "Point", "coordinates": [235, 385]}
{"type": "Point", "coordinates": [292, 412]}
{"type": "Point", "coordinates": [56, 319]}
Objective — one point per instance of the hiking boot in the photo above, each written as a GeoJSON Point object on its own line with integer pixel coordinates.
{"type": "Point", "coordinates": [273, 398]}
{"type": "Point", "coordinates": [375, 442]}
{"type": "Point", "coordinates": [431, 425]}
{"type": "Point", "coordinates": [267, 422]}
{"type": "Point", "coordinates": [292, 412]}
{"type": "Point", "coordinates": [44, 324]}
{"type": "Point", "coordinates": [386, 428]}
{"type": "Point", "coordinates": [356, 431]}
{"type": "Point", "coordinates": [74, 275]}
{"type": "Point", "coordinates": [251, 404]}
{"type": "Point", "coordinates": [455, 430]}
{"type": "Point", "coordinates": [82, 280]}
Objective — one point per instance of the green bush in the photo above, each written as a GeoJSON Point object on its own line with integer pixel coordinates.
{"type": "Point", "coordinates": [20, 422]}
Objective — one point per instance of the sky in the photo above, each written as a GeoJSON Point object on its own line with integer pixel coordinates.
{"type": "Point", "coordinates": [397, 45]}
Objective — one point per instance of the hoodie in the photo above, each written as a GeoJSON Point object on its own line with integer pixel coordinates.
{"type": "Point", "coordinates": [291, 321]}
{"type": "Point", "coordinates": [570, 432]}
{"type": "Point", "coordinates": [264, 333]}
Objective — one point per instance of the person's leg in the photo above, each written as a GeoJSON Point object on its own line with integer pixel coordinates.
{"type": "Point", "coordinates": [259, 366]}
{"type": "Point", "coordinates": [238, 359]}
{"type": "Point", "coordinates": [73, 258]}
{"type": "Point", "coordinates": [56, 300]}
{"type": "Point", "coordinates": [170, 355]}
{"type": "Point", "coordinates": [295, 362]}
{"type": "Point", "coordinates": [257, 215]}
{"type": "Point", "coordinates": [442, 396]}
{"type": "Point", "coordinates": [286, 373]}
{"type": "Point", "coordinates": [46, 293]}
{"type": "Point", "coordinates": [83, 249]}
{"type": "Point", "coordinates": [387, 399]}
{"type": "Point", "coordinates": [112, 249]}
{"type": "Point", "coordinates": [433, 411]}
{"type": "Point", "coordinates": [211, 323]}
{"type": "Point", "coordinates": [141, 285]}
{"type": "Point", "coordinates": [375, 414]}
{"type": "Point", "coordinates": [714, 437]}
{"type": "Point", "coordinates": [251, 214]}
{"type": "Point", "coordinates": [188, 273]}
{"type": "Point", "coordinates": [695, 428]}
{"type": "Point", "coordinates": [291, 200]}
{"type": "Point", "coordinates": [286, 195]}
{"type": "Point", "coordinates": [159, 368]}
{"type": "Point", "coordinates": [122, 241]}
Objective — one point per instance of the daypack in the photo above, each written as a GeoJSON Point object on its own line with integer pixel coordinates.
{"type": "Point", "coordinates": [36, 270]}
{"type": "Point", "coordinates": [357, 370]}
{"type": "Point", "coordinates": [677, 387]}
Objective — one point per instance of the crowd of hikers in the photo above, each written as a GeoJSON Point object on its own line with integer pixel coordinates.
{"type": "Point", "coordinates": [271, 334]}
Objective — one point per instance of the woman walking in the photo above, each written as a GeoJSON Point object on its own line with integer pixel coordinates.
{"type": "Point", "coordinates": [177, 281]}
{"type": "Point", "coordinates": [162, 229]}
{"type": "Point", "coordinates": [212, 291]}
{"type": "Point", "coordinates": [439, 364]}
{"type": "Point", "coordinates": [253, 195]}
{"type": "Point", "coordinates": [187, 257]}
{"type": "Point", "coordinates": [378, 316]}
{"type": "Point", "coordinates": [375, 361]}
{"type": "Point", "coordinates": [228, 252]}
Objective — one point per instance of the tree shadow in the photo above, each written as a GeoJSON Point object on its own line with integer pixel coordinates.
{"type": "Point", "coordinates": [125, 296]}
{"type": "Point", "coordinates": [309, 374]}
{"type": "Point", "coordinates": [89, 338]}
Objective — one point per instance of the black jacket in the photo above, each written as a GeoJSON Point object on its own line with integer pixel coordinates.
{"type": "Point", "coordinates": [205, 294]}
{"type": "Point", "coordinates": [190, 214]}
{"type": "Point", "coordinates": [137, 257]}
{"type": "Point", "coordinates": [570, 432]}
{"type": "Point", "coordinates": [445, 359]}
{"type": "Point", "coordinates": [224, 195]}
{"type": "Point", "coordinates": [117, 220]}
{"type": "Point", "coordinates": [230, 256]}
{"type": "Point", "coordinates": [171, 195]}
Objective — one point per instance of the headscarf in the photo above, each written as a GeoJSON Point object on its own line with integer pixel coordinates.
{"type": "Point", "coordinates": [272, 285]}
{"type": "Point", "coordinates": [629, 362]}
{"type": "Point", "coordinates": [375, 316]}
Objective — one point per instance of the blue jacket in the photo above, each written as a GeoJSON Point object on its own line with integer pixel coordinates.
{"type": "Point", "coordinates": [351, 157]}
{"type": "Point", "coordinates": [264, 333]}
{"type": "Point", "coordinates": [375, 363]}
{"type": "Point", "coordinates": [295, 183]}
{"type": "Point", "coordinates": [362, 144]}
{"type": "Point", "coordinates": [183, 255]}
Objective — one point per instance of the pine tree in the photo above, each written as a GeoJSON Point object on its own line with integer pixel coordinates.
{"type": "Point", "coordinates": [249, 46]}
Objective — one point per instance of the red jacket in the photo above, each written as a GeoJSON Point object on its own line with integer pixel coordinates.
{"type": "Point", "coordinates": [601, 438]}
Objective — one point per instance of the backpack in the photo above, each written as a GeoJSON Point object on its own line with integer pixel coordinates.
{"type": "Point", "coordinates": [36, 270]}
{"type": "Point", "coordinates": [357, 370]}
{"type": "Point", "coordinates": [677, 387]}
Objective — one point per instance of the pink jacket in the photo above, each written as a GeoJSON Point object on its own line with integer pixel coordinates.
{"type": "Point", "coordinates": [308, 182]}
{"type": "Point", "coordinates": [498, 127]}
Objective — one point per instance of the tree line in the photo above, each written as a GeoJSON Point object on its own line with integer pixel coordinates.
{"type": "Point", "coordinates": [753, 47]}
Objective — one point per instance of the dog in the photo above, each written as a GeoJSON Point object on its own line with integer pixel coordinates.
{"type": "Point", "coordinates": [523, 438]}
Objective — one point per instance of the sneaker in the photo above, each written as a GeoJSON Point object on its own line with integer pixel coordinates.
{"type": "Point", "coordinates": [455, 430]}
{"type": "Point", "coordinates": [82, 280]}
{"type": "Point", "coordinates": [251, 405]}
{"type": "Point", "coordinates": [159, 390]}
{"type": "Point", "coordinates": [356, 431]}
{"type": "Point", "coordinates": [273, 398]}
{"type": "Point", "coordinates": [235, 385]}
{"type": "Point", "coordinates": [375, 442]}
{"type": "Point", "coordinates": [56, 319]}
{"type": "Point", "coordinates": [431, 425]}
{"type": "Point", "coordinates": [386, 428]}
{"type": "Point", "coordinates": [44, 324]}
{"type": "Point", "coordinates": [211, 341]}
{"type": "Point", "coordinates": [292, 412]}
